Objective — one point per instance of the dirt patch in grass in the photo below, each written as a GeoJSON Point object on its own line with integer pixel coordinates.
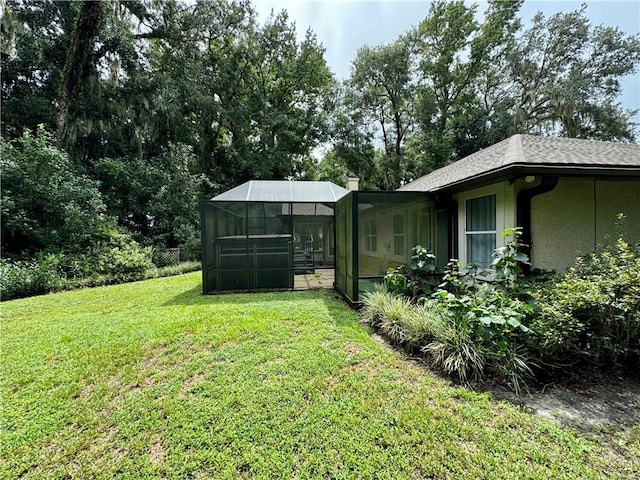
{"type": "Point", "coordinates": [352, 349]}
{"type": "Point", "coordinates": [156, 453]}
{"type": "Point", "coordinates": [601, 403]}
{"type": "Point", "coordinates": [190, 382]}
{"type": "Point", "coordinates": [598, 404]}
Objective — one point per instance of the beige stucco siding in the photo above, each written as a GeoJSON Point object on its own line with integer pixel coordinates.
{"type": "Point", "coordinates": [615, 197]}
{"type": "Point", "coordinates": [577, 216]}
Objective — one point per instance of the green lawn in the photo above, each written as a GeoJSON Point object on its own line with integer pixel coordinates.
{"type": "Point", "coordinates": [153, 380]}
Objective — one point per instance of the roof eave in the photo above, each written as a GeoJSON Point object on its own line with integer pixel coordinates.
{"type": "Point", "coordinates": [515, 169]}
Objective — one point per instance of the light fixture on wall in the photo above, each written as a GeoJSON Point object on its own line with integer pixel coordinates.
{"type": "Point", "coordinates": [530, 179]}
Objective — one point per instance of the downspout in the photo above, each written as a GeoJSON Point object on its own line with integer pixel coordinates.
{"type": "Point", "coordinates": [523, 212]}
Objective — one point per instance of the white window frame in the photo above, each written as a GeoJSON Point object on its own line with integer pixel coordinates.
{"type": "Point", "coordinates": [402, 235]}
{"type": "Point", "coordinates": [498, 191]}
{"type": "Point", "coordinates": [369, 236]}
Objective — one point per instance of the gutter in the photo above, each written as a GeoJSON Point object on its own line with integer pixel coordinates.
{"type": "Point", "coordinates": [520, 169]}
{"type": "Point", "coordinates": [523, 212]}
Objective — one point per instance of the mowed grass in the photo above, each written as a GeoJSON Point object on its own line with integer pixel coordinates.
{"type": "Point", "coordinates": [154, 380]}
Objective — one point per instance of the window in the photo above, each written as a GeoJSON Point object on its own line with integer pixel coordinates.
{"type": "Point", "coordinates": [371, 235]}
{"type": "Point", "coordinates": [399, 236]}
{"type": "Point", "coordinates": [480, 229]}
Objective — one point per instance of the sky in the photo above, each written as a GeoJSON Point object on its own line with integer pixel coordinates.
{"type": "Point", "coordinates": [343, 26]}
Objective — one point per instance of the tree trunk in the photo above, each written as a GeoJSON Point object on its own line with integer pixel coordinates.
{"type": "Point", "coordinates": [84, 34]}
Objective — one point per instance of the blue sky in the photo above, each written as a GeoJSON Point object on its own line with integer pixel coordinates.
{"type": "Point", "coordinates": [344, 26]}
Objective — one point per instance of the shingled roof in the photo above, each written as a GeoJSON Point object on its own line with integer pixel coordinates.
{"type": "Point", "coordinates": [535, 155]}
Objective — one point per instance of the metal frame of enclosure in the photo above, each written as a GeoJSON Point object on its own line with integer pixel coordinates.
{"type": "Point", "coordinates": [259, 235]}
{"type": "Point", "coordinates": [376, 231]}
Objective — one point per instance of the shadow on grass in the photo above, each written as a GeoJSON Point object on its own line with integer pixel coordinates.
{"type": "Point", "coordinates": [194, 296]}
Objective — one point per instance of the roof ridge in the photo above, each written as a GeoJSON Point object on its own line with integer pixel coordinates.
{"type": "Point", "coordinates": [249, 190]}
{"type": "Point", "coordinates": [514, 152]}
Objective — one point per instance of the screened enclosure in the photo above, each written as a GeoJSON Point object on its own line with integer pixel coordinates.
{"type": "Point", "coordinates": [376, 231]}
{"type": "Point", "coordinates": [259, 235]}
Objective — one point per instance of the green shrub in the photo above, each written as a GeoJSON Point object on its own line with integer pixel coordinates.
{"type": "Point", "coordinates": [374, 303]}
{"type": "Point", "coordinates": [396, 282]}
{"type": "Point", "coordinates": [117, 257]}
{"type": "Point", "coordinates": [47, 202]}
{"type": "Point", "coordinates": [484, 322]}
{"type": "Point", "coordinates": [420, 325]}
{"type": "Point", "coordinates": [415, 280]}
{"type": "Point", "coordinates": [470, 326]}
{"type": "Point", "coordinates": [592, 313]}
{"type": "Point", "coordinates": [184, 267]}
{"type": "Point", "coordinates": [27, 278]}
{"type": "Point", "coordinates": [396, 311]}
{"type": "Point", "coordinates": [487, 327]}
{"type": "Point", "coordinates": [189, 242]}
{"type": "Point", "coordinates": [403, 322]}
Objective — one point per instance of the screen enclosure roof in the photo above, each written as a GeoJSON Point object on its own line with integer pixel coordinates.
{"type": "Point", "coordinates": [283, 191]}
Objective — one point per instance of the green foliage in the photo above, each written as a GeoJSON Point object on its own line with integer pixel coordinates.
{"type": "Point", "coordinates": [492, 311]}
{"type": "Point", "coordinates": [47, 203]}
{"type": "Point", "coordinates": [421, 272]}
{"type": "Point", "coordinates": [116, 256]}
{"type": "Point", "coordinates": [493, 321]}
{"type": "Point", "coordinates": [157, 197]}
{"type": "Point", "coordinates": [416, 280]}
{"type": "Point", "coordinates": [460, 280]}
{"type": "Point", "coordinates": [507, 260]}
{"type": "Point", "coordinates": [382, 77]}
{"type": "Point", "coordinates": [565, 89]}
{"type": "Point", "coordinates": [203, 98]}
{"type": "Point", "coordinates": [478, 322]}
{"type": "Point", "coordinates": [454, 350]}
{"type": "Point", "coordinates": [486, 327]}
{"type": "Point", "coordinates": [375, 302]}
{"type": "Point", "coordinates": [28, 278]}
{"type": "Point", "coordinates": [396, 282]}
{"type": "Point", "coordinates": [396, 311]}
{"type": "Point", "coordinates": [592, 313]}
{"type": "Point", "coordinates": [179, 269]}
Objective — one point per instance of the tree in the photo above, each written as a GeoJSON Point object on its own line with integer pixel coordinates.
{"type": "Point", "coordinates": [32, 61]}
{"type": "Point", "coordinates": [565, 78]}
{"type": "Point", "coordinates": [382, 76]}
{"type": "Point", "coordinates": [458, 59]}
{"type": "Point", "coordinates": [76, 65]}
{"type": "Point", "coordinates": [352, 139]}
{"type": "Point", "coordinates": [47, 204]}
{"type": "Point", "coordinates": [156, 198]}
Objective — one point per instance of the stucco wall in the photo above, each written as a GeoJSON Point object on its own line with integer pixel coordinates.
{"type": "Point", "coordinates": [615, 197]}
{"type": "Point", "coordinates": [577, 216]}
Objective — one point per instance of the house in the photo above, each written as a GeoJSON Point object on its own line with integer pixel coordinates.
{"type": "Point", "coordinates": [564, 192]}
